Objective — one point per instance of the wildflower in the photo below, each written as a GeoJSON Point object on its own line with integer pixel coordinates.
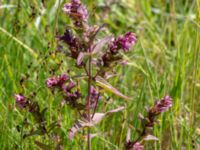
{"type": "Point", "coordinates": [125, 42]}
{"type": "Point", "coordinates": [76, 10]}
{"type": "Point", "coordinates": [21, 100]}
{"type": "Point", "coordinates": [67, 37]}
{"type": "Point", "coordinates": [162, 105]}
{"type": "Point", "coordinates": [71, 41]}
{"type": "Point", "coordinates": [138, 146]}
{"type": "Point", "coordinates": [56, 81]}
{"type": "Point", "coordinates": [72, 97]}
{"type": "Point", "coordinates": [51, 82]}
{"type": "Point", "coordinates": [159, 107]}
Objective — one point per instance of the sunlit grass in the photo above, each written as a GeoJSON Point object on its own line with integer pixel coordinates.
{"type": "Point", "coordinates": [164, 61]}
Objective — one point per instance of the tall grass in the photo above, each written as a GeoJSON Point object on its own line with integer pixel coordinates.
{"type": "Point", "coordinates": [165, 60]}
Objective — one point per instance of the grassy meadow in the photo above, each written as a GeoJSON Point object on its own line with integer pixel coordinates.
{"type": "Point", "coordinates": [165, 61]}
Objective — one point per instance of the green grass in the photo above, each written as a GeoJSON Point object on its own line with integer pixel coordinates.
{"type": "Point", "coordinates": [164, 61]}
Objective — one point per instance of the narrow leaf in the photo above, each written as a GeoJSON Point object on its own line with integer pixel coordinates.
{"type": "Point", "coordinates": [80, 58]}
{"type": "Point", "coordinates": [7, 6]}
{"type": "Point", "coordinates": [98, 117]}
{"type": "Point", "coordinates": [128, 135]}
{"type": "Point", "coordinates": [115, 110]}
{"type": "Point", "coordinates": [150, 138]}
{"type": "Point", "coordinates": [99, 46]}
{"type": "Point", "coordinates": [19, 42]}
{"type": "Point", "coordinates": [107, 86]}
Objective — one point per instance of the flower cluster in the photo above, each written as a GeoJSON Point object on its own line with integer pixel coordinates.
{"type": "Point", "coordinates": [72, 43]}
{"type": "Point", "coordinates": [86, 39]}
{"type": "Point", "coordinates": [76, 11]}
{"type": "Point", "coordinates": [159, 107]}
{"type": "Point", "coordinates": [24, 103]}
{"type": "Point", "coordinates": [123, 42]}
{"type": "Point", "coordinates": [65, 85]}
{"type": "Point", "coordinates": [56, 81]}
{"type": "Point", "coordinates": [162, 105]}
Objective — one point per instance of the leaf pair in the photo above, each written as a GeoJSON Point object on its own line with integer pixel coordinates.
{"type": "Point", "coordinates": [97, 48]}
{"type": "Point", "coordinates": [95, 120]}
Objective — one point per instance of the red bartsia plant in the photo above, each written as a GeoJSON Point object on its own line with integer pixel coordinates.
{"type": "Point", "coordinates": [97, 59]}
{"type": "Point", "coordinates": [148, 122]}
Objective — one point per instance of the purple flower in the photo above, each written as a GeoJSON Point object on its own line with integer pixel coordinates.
{"type": "Point", "coordinates": [71, 41]}
{"type": "Point", "coordinates": [125, 42]}
{"type": "Point", "coordinates": [76, 10]}
{"type": "Point", "coordinates": [21, 100]}
{"type": "Point", "coordinates": [138, 146]}
{"type": "Point", "coordinates": [51, 82]}
{"type": "Point", "coordinates": [159, 107]}
{"type": "Point", "coordinates": [56, 81]}
{"type": "Point", "coordinates": [163, 104]}
{"type": "Point", "coordinates": [67, 38]}
{"type": "Point", "coordinates": [72, 96]}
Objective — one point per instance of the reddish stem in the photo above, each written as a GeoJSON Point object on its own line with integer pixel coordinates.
{"type": "Point", "coordinates": [89, 95]}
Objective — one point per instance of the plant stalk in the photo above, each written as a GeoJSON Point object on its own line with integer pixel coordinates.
{"type": "Point", "coordinates": [89, 96]}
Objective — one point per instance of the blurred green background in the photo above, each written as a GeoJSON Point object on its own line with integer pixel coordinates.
{"type": "Point", "coordinates": [164, 61]}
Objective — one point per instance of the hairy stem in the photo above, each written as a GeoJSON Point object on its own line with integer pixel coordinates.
{"type": "Point", "coordinates": [88, 100]}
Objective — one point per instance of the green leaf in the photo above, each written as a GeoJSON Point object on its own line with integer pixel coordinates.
{"type": "Point", "coordinates": [107, 86]}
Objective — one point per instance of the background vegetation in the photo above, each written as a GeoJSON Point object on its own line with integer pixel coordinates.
{"type": "Point", "coordinates": [164, 61]}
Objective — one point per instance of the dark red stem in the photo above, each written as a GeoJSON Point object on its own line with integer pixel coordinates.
{"type": "Point", "coordinates": [89, 96]}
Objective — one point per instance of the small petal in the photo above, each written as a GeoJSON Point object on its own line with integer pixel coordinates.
{"type": "Point", "coordinates": [164, 104]}
{"type": "Point", "coordinates": [138, 146]}
{"type": "Point", "coordinates": [76, 10]}
{"type": "Point", "coordinates": [57, 81]}
{"type": "Point", "coordinates": [125, 42]}
{"type": "Point", "coordinates": [21, 100]}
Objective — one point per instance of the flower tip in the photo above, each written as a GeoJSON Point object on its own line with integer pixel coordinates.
{"type": "Point", "coordinates": [125, 42]}
{"type": "Point", "coordinates": [19, 97]}
{"type": "Point", "coordinates": [21, 100]}
{"type": "Point", "coordinates": [56, 81]}
{"type": "Point", "coordinates": [138, 146]}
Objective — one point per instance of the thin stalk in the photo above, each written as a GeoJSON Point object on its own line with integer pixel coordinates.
{"type": "Point", "coordinates": [88, 100]}
{"type": "Point", "coordinates": [96, 105]}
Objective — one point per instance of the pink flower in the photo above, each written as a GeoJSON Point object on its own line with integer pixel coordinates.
{"type": "Point", "coordinates": [138, 146]}
{"type": "Point", "coordinates": [21, 100]}
{"type": "Point", "coordinates": [163, 104]}
{"type": "Point", "coordinates": [159, 107]}
{"type": "Point", "coordinates": [56, 81]}
{"type": "Point", "coordinates": [125, 42]}
{"type": "Point", "coordinates": [76, 10]}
